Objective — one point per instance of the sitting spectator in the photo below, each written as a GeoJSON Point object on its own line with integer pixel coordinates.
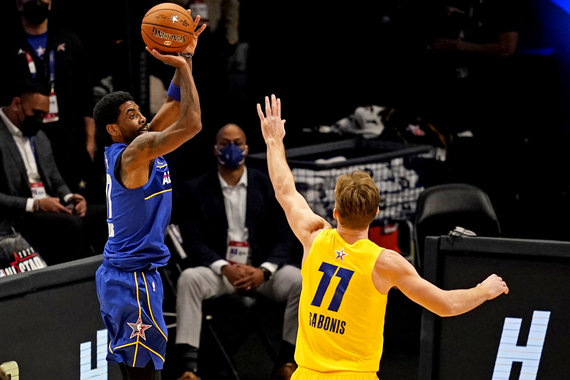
{"type": "Point", "coordinates": [41, 47]}
{"type": "Point", "coordinates": [34, 199]}
{"type": "Point", "coordinates": [469, 65]}
{"type": "Point", "coordinates": [230, 219]}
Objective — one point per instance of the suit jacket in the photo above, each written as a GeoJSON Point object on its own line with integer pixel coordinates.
{"type": "Point", "coordinates": [201, 215]}
{"type": "Point", "coordinates": [14, 183]}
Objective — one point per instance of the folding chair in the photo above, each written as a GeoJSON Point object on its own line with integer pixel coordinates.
{"type": "Point", "coordinates": [442, 208]}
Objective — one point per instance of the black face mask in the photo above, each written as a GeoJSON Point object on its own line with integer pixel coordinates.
{"type": "Point", "coordinates": [31, 126]}
{"type": "Point", "coordinates": [35, 12]}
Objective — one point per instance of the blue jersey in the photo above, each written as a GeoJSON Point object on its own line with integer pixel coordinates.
{"type": "Point", "coordinates": [137, 218]}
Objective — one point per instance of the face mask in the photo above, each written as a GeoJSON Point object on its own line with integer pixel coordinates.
{"type": "Point", "coordinates": [231, 156]}
{"type": "Point", "coordinates": [31, 126]}
{"type": "Point", "coordinates": [35, 12]}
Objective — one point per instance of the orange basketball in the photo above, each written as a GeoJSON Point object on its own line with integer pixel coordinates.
{"type": "Point", "coordinates": [167, 27]}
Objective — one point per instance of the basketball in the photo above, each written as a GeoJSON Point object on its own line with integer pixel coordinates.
{"type": "Point", "coordinates": [167, 27]}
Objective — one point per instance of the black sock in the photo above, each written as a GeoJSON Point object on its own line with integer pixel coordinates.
{"type": "Point", "coordinates": [286, 353]}
{"type": "Point", "coordinates": [187, 358]}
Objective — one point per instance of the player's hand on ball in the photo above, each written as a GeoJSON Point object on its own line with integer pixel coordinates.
{"type": "Point", "coordinates": [494, 286]}
{"type": "Point", "coordinates": [191, 47]}
{"type": "Point", "coordinates": [272, 126]}
{"type": "Point", "coordinates": [169, 59]}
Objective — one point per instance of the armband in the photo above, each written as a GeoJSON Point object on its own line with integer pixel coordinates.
{"type": "Point", "coordinates": [174, 92]}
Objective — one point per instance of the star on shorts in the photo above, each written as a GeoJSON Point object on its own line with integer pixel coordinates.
{"type": "Point", "coordinates": [138, 328]}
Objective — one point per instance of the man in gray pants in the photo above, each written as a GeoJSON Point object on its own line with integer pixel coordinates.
{"type": "Point", "coordinates": [238, 237]}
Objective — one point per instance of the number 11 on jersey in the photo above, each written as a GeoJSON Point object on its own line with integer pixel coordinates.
{"type": "Point", "coordinates": [329, 271]}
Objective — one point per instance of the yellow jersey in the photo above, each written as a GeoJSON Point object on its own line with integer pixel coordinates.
{"type": "Point", "coordinates": [341, 313]}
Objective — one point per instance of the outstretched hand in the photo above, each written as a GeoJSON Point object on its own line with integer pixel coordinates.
{"type": "Point", "coordinates": [494, 286]}
{"type": "Point", "coordinates": [272, 126]}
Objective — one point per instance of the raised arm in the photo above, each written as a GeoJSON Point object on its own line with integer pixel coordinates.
{"type": "Point", "coordinates": [303, 221]}
{"type": "Point", "coordinates": [168, 112]}
{"type": "Point", "coordinates": [168, 136]}
{"type": "Point", "coordinates": [392, 270]}
{"type": "Point", "coordinates": [145, 147]}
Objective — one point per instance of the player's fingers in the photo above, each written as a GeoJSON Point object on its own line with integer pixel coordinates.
{"type": "Point", "coordinates": [260, 112]}
{"type": "Point", "coordinates": [278, 105]}
{"type": "Point", "coordinates": [154, 53]}
{"type": "Point", "coordinates": [273, 105]}
{"type": "Point", "coordinates": [267, 107]}
{"type": "Point", "coordinates": [199, 31]}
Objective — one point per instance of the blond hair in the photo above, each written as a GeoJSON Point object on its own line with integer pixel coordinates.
{"type": "Point", "coordinates": [356, 199]}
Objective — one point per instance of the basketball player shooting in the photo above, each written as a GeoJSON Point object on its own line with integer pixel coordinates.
{"type": "Point", "coordinates": [139, 203]}
{"type": "Point", "coordinates": [346, 277]}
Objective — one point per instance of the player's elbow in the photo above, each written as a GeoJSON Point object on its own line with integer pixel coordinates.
{"type": "Point", "coordinates": [194, 127]}
{"type": "Point", "coordinates": [447, 312]}
{"type": "Point", "coordinates": [197, 127]}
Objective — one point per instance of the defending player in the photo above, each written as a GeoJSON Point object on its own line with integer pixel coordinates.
{"type": "Point", "coordinates": [346, 277]}
{"type": "Point", "coordinates": [139, 202]}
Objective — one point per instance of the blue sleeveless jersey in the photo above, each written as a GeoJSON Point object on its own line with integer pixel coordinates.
{"type": "Point", "coordinates": [137, 218]}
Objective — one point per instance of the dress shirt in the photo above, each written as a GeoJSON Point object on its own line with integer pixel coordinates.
{"type": "Point", "coordinates": [235, 200]}
{"type": "Point", "coordinates": [27, 153]}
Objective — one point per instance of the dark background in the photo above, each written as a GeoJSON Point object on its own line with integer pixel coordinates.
{"type": "Point", "coordinates": [323, 59]}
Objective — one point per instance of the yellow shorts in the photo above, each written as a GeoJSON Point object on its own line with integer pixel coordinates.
{"type": "Point", "coordinates": [302, 373]}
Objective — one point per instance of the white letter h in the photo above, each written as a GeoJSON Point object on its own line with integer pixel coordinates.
{"type": "Point", "coordinates": [529, 355]}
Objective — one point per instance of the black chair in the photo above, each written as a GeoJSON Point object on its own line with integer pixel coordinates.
{"type": "Point", "coordinates": [442, 208]}
{"type": "Point", "coordinates": [247, 309]}
{"type": "Point", "coordinates": [170, 275]}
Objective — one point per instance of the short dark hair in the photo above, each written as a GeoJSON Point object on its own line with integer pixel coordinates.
{"type": "Point", "coordinates": [107, 110]}
{"type": "Point", "coordinates": [30, 86]}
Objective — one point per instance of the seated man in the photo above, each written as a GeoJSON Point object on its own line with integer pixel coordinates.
{"type": "Point", "coordinates": [34, 199]}
{"type": "Point", "coordinates": [230, 220]}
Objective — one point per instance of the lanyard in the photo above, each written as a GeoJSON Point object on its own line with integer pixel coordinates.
{"type": "Point", "coordinates": [34, 71]}
{"type": "Point", "coordinates": [53, 114]}
{"type": "Point", "coordinates": [33, 146]}
{"type": "Point", "coordinates": [51, 67]}
{"type": "Point", "coordinates": [31, 64]}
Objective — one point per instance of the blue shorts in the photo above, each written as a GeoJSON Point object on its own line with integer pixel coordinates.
{"type": "Point", "coordinates": [131, 307]}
